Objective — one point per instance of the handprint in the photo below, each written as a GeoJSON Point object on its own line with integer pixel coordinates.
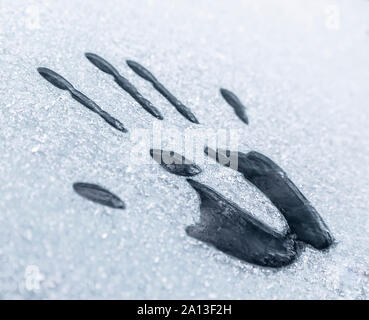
{"type": "Point", "coordinates": [222, 223]}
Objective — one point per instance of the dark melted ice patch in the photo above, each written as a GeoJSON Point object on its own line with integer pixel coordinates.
{"type": "Point", "coordinates": [236, 104]}
{"type": "Point", "coordinates": [106, 67]}
{"type": "Point", "coordinates": [237, 233]}
{"type": "Point", "coordinates": [175, 163]}
{"type": "Point", "coordinates": [98, 194]}
{"type": "Point", "coordinates": [61, 83]}
{"type": "Point", "coordinates": [147, 75]}
{"type": "Point", "coordinates": [270, 179]}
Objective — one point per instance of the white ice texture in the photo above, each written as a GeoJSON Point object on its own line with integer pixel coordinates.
{"type": "Point", "coordinates": [300, 67]}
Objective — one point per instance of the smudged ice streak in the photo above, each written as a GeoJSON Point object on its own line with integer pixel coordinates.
{"type": "Point", "coordinates": [106, 67]}
{"type": "Point", "coordinates": [270, 179]}
{"type": "Point", "coordinates": [147, 75]}
{"type": "Point", "coordinates": [175, 163]}
{"type": "Point", "coordinates": [236, 232]}
{"type": "Point", "coordinates": [98, 194]}
{"type": "Point", "coordinates": [236, 104]}
{"type": "Point", "coordinates": [61, 83]}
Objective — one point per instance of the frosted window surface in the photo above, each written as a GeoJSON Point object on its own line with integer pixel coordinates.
{"type": "Point", "coordinates": [300, 68]}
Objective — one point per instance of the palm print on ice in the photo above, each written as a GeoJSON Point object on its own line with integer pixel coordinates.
{"type": "Point", "coordinates": [222, 223]}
